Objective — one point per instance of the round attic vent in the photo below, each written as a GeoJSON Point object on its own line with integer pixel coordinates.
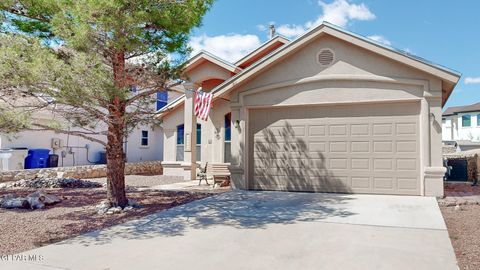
{"type": "Point", "coordinates": [325, 57]}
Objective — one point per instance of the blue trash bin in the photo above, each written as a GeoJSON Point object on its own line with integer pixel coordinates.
{"type": "Point", "coordinates": [37, 158]}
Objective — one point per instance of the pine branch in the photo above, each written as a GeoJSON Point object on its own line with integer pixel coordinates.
{"type": "Point", "coordinates": [85, 135]}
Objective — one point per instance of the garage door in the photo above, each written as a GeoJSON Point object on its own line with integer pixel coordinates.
{"type": "Point", "coordinates": [358, 148]}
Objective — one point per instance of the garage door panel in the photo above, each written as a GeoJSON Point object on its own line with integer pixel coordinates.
{"type": "Point", "coordinates": [408, 184]}
{"type": "Point", "coordinates": [336, 130]}
{"type": "Point", "coordinates": [360, 130]}
{"type": "Point", "coordinates": [382, 147]}
{"type": "Point", "coordinates": [347, 150]}
{"type": "Point", "coordinates": [360, 163]}
{"type": "Point", "coordinates": [406, 146]}
{"type": "Point", "coordinates": [406, 129]}
{"type": "Point", "coordinates": [359, 182]}
{"type": "Point", "coordinates": [338, 147]}
{"type": "Point", "coordinates": [360, 147]}
{"type": "Point", "coordinates": [382, 129]}
{"type": "Point", "coordinates": [317, 147]}
{"type": "Point", "coordinates": [384, 183]}
{"type": "Point", "coordinates": [317, 131]}
{"type": "Point", "coordinates": [383, 164]}
{"type": "Point", "coordinates": [406, 164]}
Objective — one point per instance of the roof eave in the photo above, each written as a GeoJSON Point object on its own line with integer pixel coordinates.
{"type": "Point", "coordinates": [211, 58]}
{"type": "Point", "coordinates": [247, 57]}
{"type": "Point", "coordinates": [446, 74]}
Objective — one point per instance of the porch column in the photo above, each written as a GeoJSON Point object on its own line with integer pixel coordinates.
{"type": "Point", "coordinates": [434, 170]}
{"type": "Point", "coordinates": [238, 166]}
{"type": "Point", "coordinates": [189, 164]}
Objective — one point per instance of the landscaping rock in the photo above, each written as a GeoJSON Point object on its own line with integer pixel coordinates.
{"type": "Point", "coordinates": [35, 202]}
{"type": "Point", "coordinates": [10, 203]}
{"type": "Point", "coordinates": [6, 197]}
{"type": "Point", "coordinates": [133, 203]}
{"type": "Point", "coordinates": [50, 182]}
{"type": "Point", "coordinates": [103, 207]}
{"type": "Point", "coordinates": [44, 197]}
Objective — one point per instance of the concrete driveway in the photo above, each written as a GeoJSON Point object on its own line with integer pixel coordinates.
{"type": "Point", "coordinates": [266, 230]}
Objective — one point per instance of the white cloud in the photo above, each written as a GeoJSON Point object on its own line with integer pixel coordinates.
{"type": "Point", "coordinates": [339, 12]}
{"type": "Point", "coordinates": [230, 47]}
{"type": "Point", "coordinates": [472, 80]}
{"type": "Point", "coordinates": [262, 27]}
{"type": "Point", "coordinates": [289, 30]}
{"type": "Point", "coordinates": [380, 39]}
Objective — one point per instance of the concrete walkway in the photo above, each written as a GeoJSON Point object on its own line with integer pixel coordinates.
{"type": "Point", "coordinates": [266, 230]}
{"type": "Point", "coordinates": [191, 186]}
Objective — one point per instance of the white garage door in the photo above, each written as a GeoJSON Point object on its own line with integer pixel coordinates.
{"type": "Point", "coordinates": [357, 148]}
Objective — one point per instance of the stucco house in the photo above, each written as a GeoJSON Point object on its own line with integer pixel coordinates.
{"type": "Point", "coordinates": [330, 111]}
{"type": "Point", "coordinates": [461, 123]}
{"type": "Point", "coordinates": [144, 143]}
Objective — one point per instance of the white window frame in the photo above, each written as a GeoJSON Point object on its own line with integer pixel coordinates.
{"type": "Point", "coordinates": [144, 138]}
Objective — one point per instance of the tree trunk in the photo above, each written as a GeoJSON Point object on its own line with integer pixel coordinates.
{"type": "Point", "coordinates": [116, 127]}
{"type": "Point", "coordinates": [116, 167]}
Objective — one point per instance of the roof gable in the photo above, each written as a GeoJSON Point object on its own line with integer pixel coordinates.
{"type": "Point", "coordinates": [448, 76]}
{"type": "Point", "coordinates": [202, 56]}
{"type": "Point", "coordinates": [263, 50]}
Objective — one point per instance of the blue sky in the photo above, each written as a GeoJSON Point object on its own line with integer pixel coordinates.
{"type": "Point", "coordinates": [444, 32]}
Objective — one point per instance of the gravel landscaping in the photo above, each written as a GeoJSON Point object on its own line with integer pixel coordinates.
{"type": "Point", "coordinates": [143, 180]}
{"type": "Point", "coordinates": [463, 225]}
{"type": "Point", "coordinates": [461, 211]}
{"type": "Point", "coordinates": [24, 229]}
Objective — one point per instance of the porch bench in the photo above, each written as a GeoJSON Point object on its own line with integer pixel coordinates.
{"type": "Point", "coordinates": [219, 172]}
{"type": "Point", "coordinates": [216, 171]}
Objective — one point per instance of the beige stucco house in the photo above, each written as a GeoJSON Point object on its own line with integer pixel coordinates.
{"type": "Point", "coordinates": [330, 111]}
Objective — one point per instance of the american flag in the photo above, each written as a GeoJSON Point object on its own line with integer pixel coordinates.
{"type": "Point", "coordinates": [203, 104]}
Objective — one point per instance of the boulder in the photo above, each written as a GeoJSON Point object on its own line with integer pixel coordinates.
{"type": "Point", "coordinates": [10, 203]}
{"type": "Point", "coordinates": [102, 207]}
{"type": "Point", "coordinates": [36, 202]}
{"type": "Point", "coordinates": [6, 197]}
{"type": "Point", "coordinates": [44, 197]}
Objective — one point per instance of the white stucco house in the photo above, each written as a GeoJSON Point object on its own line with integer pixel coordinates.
{"type": "Point", "coordinates": [144, 143]}
{"type": "Point", "coordinates": [461, 123]}
{"type": "Point", "coordinates": [330, 111]}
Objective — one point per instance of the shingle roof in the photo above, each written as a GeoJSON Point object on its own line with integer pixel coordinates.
{"type": "Point", "coordinates": [458, 109]}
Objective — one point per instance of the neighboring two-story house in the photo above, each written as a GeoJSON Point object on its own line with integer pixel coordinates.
{"type": "Point", "coordinates": [461, 123]}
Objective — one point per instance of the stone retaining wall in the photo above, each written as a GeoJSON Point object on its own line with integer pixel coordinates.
{"type": "Point", "coordinates": [449, 149]}
{"type": "Point", "coordinates": [87, 171]}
